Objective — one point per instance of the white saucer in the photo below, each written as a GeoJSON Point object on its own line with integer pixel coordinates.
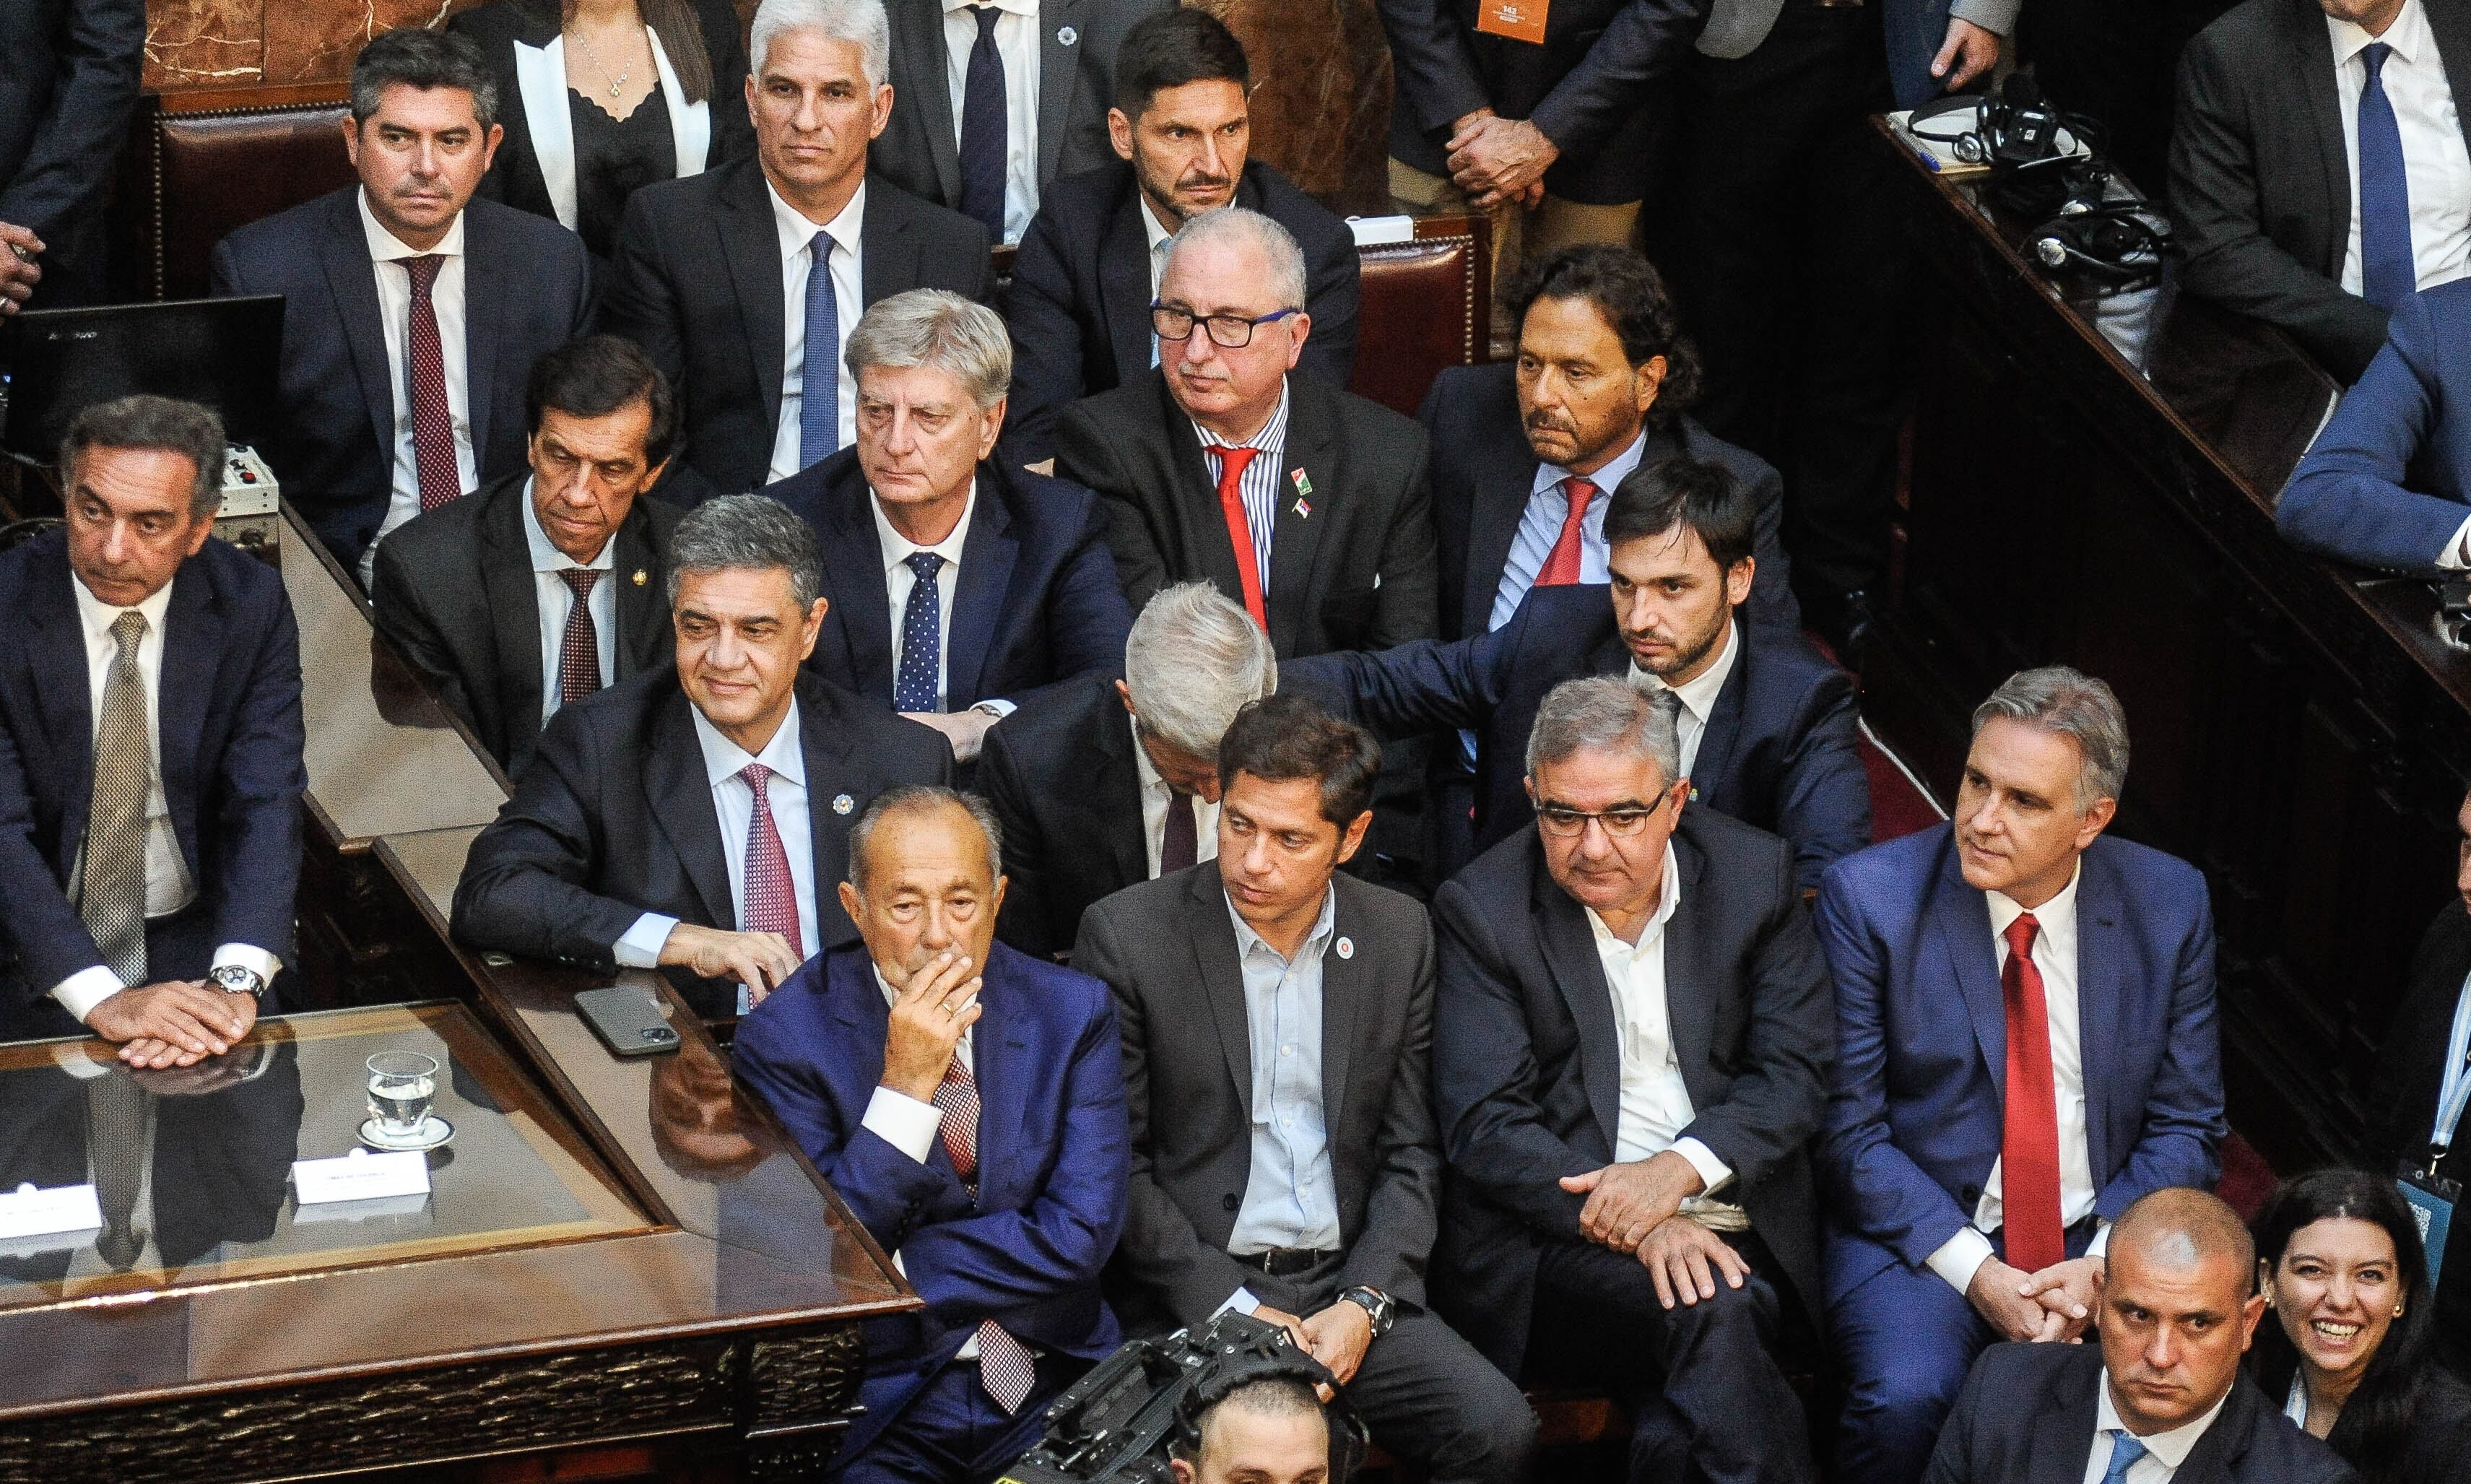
{"type": "Point", "coordinates": [429, 1134]}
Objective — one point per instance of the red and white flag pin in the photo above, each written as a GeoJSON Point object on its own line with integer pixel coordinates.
{"type": "Point", "coordinates": [1304, 487]}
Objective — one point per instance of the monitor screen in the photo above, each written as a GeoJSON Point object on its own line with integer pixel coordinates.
{"type": "Point", "coordinates": [55, 363]}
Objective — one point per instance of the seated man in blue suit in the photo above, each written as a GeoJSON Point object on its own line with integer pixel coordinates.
{"type": "Point", "coordinates": [871, 1056]}
{"type": "Point", "coordinates": [2387, 482]}
{"type": "Point", "coordinates": [151, 746]}
{"type": "Point", "coordinates": [2026, 1045]}
{"type": "Point", "coordinates": [959, 586]}
{"type": "Point", "coordinates": [1767, 723]}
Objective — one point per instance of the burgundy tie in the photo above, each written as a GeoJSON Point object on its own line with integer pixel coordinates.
{"type": "Point", "coordinates": [578, 656]}
{"type": "Point", "coordinates": [770, 902]}
{"type": "Point", "coordinates": [1561, 567]}
{"type": "Point", "coordinates": [2029, 1145]}
{"type": "Point", "coordinates": [1005, 1368]}
{"type": "Point", "coordinates": [1180, 842]}
{"type": "Point", "coordinates": [433, 419]}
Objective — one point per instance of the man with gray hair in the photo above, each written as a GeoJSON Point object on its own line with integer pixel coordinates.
{"type": "Point", "coordinates": [959, 586]}
{"type": "Point", "coordinates": [1107, 783]}
{"type": "Point", "coordinates": [682, 818]}
{"type": "Point", "coordinates": [729, 278]}
{"type": "Point", "coordinates": [2026, 1046]}
{"type": "Point", "coordinates": [1631, 1044]}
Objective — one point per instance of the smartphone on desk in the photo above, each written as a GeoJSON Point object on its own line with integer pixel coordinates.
{"type": "Point", "coordinates": [627, 1018]}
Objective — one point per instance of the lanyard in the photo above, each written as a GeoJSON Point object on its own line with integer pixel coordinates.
{"type": "Point", "coordinates": [2454, 1093]}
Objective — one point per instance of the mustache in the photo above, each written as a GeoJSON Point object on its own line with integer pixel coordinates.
{"type": "Point", "coordinates": [1201, 182]}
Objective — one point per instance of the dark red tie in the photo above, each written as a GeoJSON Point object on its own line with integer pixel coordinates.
{"type": "Point", "coordinates": [433, 419]}
{"type": "Point", "coordinates": [1180, 842]}
{"type": "Point", "coordinates": [1005, 1368]}
{"type": "Point", "coordinates": [2029, 1145]}
{"type": "Point", "coordinates": [579, 655]}
{"type": "Point", "coordinates": [1231, 463]}
{"type": "Point", "coordinates": [770, 901]}
{"type": "Point", "coordinates": [1560, 567]}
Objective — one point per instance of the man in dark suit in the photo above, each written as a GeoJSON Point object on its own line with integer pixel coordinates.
{"type": "Point", "coordinates": [151, 749]}
{"type": "Point", "coordinates": [960, 586]}
{"type": "Point", "coordinates": [1089, 264]}
{"type": "Point", "coordinates": [64, 107]}
{"type": "Point", "coordinates": [993, 102]}
{"type": "Point", "coordinates": [542, 589]}
{"type": "Point", "coordinates": [412, 311]}
{"type": "Point", "coordinates": [2026, 1045]}
{"type": "Point", "coordinates": [1768, 724]}
{"type": "Point", "coordinates": [2162, 1398]}
{"type": "Point", "coordinates": [683, 819]}
{"type": "Point", "coordinates": [1104, 784]}
{"type": "Point", "coordinates": [1278, 1023]}
{"type": "Point", "coordinates": [715, 274]}
{"type": "Point", "coordinates": [1629, 1051]}
{"type": "Point", "coordinates": [991, 1167]}
{"type": "Point", "coordinates": [2320, 172]}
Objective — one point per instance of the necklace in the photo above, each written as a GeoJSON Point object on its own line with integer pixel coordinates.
{"type": "Point", "coordinates": [616, 83]}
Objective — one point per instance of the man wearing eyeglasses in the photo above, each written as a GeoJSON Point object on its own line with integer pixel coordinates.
{"type": "Point", "coordinates": [1631, 1035]}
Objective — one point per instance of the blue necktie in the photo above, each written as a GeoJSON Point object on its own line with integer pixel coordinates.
{"type": "Point", "coordinates": [819, 399]}
{"type": "Point", "coordinates": [982, 128]}
{"type": "Point", "coordinates": [2387, 276]}
{"type": "Point", "coordinates": [922, 642]}
{"type": "Point", "coordinates": [2125, 1450]}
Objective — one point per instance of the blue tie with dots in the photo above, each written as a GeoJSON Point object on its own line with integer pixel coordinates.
{"type": "Point", "coordinates": [2389, 276]}
{"type": "Point", "coordinates": [819, 398]}
{"type": "Point", "coordinates": [2125, 1450]}
{"type": "Point", "coordinates": [922, 642]}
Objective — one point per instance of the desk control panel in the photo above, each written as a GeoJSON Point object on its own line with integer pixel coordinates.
{"type": "Point", "coordinates": [248, 485]}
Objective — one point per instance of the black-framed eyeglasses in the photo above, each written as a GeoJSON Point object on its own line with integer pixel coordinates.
{"type": "Point", "coordinates": [1232, 331]}
{"type": "Point", "coordinates": [1621, 822]}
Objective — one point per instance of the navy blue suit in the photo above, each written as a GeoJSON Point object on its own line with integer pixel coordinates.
{"type": "Point", "coordinates": [1053, 1150]}
{"type": "Point", "coordinates": [526, 289]}
{"type": "Point", "coordinates": [1915, 1103]}
{"type": "Point", "coordinates": [1036, 601]}
{"type": "Point", "coordinates": [232, 742]}
{"type": "Point", "coordinates": [2387, 482]}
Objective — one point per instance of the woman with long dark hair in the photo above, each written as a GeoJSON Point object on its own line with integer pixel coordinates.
{"type": "Point", "coordinates": [2352, 1356]}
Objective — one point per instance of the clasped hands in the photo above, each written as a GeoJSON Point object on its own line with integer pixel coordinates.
{"type": "Point", "coordinates": [1496, 161]}
{"type": "Point", "coordinates": [1636, 1209]}
{"type": "Point", "coordinates": [2053, 1305]}
{"type": "Point", "coordinates": [1337, 1336]}
{"type": "Point", "coordinates": [177, 1022]}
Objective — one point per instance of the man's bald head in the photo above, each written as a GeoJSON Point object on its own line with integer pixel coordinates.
{"type": "Point", "coordinates": [2182, 1229]}
{"type": "Point", "coordinates": [2179, 1308]}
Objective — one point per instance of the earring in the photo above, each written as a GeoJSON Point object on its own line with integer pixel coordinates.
{"type": "Point", "coordinates": [2397, 1311]}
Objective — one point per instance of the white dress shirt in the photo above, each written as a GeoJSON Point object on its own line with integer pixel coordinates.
{"type": "Point", "coordinates": [168, 885]}
{"type": "Point", "coordinates": [796, 239]}
{"type": "Point", "coordinates": [2055, 954]}
{"type": "Point", "coordinates": [2436, 165]}
{"type": "Point", "coordinates": [386, 253]}
{"type": "Point", "coordinates": [1539, 527]}
{"type": "Point", "coordinates": [913, 1127]}
{"type": "Point", "coordinates": [899, 583]}
{"type": "Point", "coordinates": [555, 600]}
{"type": "Point", "coordinates": [1655, 1101]}
{"type": "Point", "coordinates": [1698, 693]}
{"type": "Point", "coordinates": [1263, 482]}
{"type": "Point", "coordinates": [1157, 233]}
{"type": "Point", "coordinates": [1017, 43]}
{"type": "Point", "coordinates": [2164, 1451]}
{"type": "Point", "coordinates": [1157, 798]}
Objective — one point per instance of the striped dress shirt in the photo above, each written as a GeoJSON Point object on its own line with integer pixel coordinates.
{"type": "Point", "coordinates": [1263, 477]}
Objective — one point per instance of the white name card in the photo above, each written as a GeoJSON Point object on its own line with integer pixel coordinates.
{"type": "Point", "coordinates": [27, 1212]}
{"type": "Point", "coordinates": [359, 1176]}
{"type": "Point", "coordinates": [1377, 232]}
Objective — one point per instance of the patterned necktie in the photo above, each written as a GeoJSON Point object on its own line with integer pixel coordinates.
{"type": "Point", "coordinates": [1005, 1365]}
{"type": "Point", "coordinates": [116, 1109]}
{"type": "Point", "coordinates": [769, 904]}
{"type": "Point", "coordinates": [1231, 464]}
{"type": "Point", "coordinates": [916, 687]}
{"type": "Point", "coordinates": [2387, 273]}
{"type": "Point", "coordinates": [2028, 1146]}
{"type": "Point", "coordinates": [2125, 1451]}
{"type": "Point", "coordinates": [433, 417]}
{"type": "Point", "coordinates": [1180, 842]}
{"type": "Point", "coordinates": [111, 897]}
{"type": "Point", "coordinates": [982, 128]}
{"type": "Point", "coordinates": [820, 394]}
{"type": "Point", "coordinates": [1561, 567]}
{"type": "Point", "coordinates": [578, 654]}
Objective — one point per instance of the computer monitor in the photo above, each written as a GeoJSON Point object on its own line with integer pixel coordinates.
{"type": "Point", "coordinates": [55, 362]}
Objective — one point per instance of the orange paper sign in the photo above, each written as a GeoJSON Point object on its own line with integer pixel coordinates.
{"type": "Point", "coordinates": [1520, 20]}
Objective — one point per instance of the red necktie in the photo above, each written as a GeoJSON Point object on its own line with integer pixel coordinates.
{"type": "Point", "coordinates": [1231, 463]}
{"type": "Point", "coordinates": [433, 419]}
{"type": "Point", "coordinates": [1560, 567]}
{"type": "Point", "coordinates": [769, 902]}
{"type": "Point", "coordinates": [2029, 1145]}
{"type": "Point", "coordinates": [579, 655]}
{"type": "Point", "coordinates": [1005, 1368]}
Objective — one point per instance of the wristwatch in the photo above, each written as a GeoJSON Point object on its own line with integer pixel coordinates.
{"type": "Point", "coordinates": [1376, 1305]}
{"type": "Point", "coordinates": [237, 979]}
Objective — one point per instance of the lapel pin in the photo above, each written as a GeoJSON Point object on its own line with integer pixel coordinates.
{"type": "Point", "coordinates": [1304, 508]}
{"type": "Point", "coordinates": [1303, 481]}
{"type": "Point", "coordinates": [1346, 948]}
{"type": "Point", "coordinates": [842, 804]}
{"type": "Point", "coordinates": [1066, 35]}
{"type": "Point", "coordinates": [642, 576]}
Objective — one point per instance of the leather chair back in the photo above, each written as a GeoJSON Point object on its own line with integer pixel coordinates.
{"type": "Point", "coordinates": [1427, 304]}
{"type": "Point", "coordinates": [213, 159]}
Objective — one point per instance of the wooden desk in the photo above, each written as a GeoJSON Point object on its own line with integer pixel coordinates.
{"type": "Point", "coordinates": [2093, 481]}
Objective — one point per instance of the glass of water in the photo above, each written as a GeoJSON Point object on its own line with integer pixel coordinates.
{"type": "Point", "coordinates": [402, 1085]}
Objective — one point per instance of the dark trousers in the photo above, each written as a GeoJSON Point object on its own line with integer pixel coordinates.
{"type": "Point", "coordinates": [1707, 1398]}
{"type": "Point", "coordinates": [952, 1432]}
{"type": "Point", "coordinates": [1792, 275]}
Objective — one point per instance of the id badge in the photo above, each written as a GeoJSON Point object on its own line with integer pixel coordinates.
{"type": "Point", "coordinates": [1520, 20]}
{"type": "Point", "coordinates": [2433, 1197]}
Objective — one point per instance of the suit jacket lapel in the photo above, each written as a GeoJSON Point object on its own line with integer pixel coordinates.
{"type": "Point", "coordinates": [2102, 1013]}
{"type": "Point", "coordinates": [2226, 1442]}
{"type": "Point", "coordinates": [643, 607]}
{"type": "Point", "coordinates": [853, 561]}
{"type": "Point", "coordinates": [1121, 816]}
{"type": "Point", "coordinates": [514, 608]}
{"type": "Point", "coordinates": [484, 295]}
{"type": "Point", "coordinates": [1222, 977]}
{"type": "Point", "coordinates": [1002, 1050]}
{"type": "Point", "coordinates": [979, 589]}
{"type": "Point", "coordinates": [823, 740]}
{"type": "Point", "coordinates": [1569, 948]}
{"type": "Point", "coordinates": [681, 800]}
{"type": "Point", "coordinates": [2063, 1435]}
{"type": "Point", "coordinates": [1295, 537]}
{"type": "Point", "coordinates": [1689, 1003]}
{"type": "Point", "coordinates": [1724, 723]}
{"type": "Point", "coordinates": [192, 631]}
{"type": "Point", "coordinates": [2314, 60]}
{"type": "Point", "coordinates": [1500, 502]}
{"type": "Point", "coordinates": [1343, 989]}
{"type": "Point", "coordinates": [1960, 917]}
{"type": "Point", "coordinates": [919, 34]}
{"type": "Point", "coordinates": [63, 688]}
{"type": "Point", "coordinates": [1197, 497]}
{"type": "Point", "coordinates": [353, 279]}
{"type": "Point", "coordinates": [887, 263]}
{"type": "Point", "coordinates": [1056, 76]}
{"type": "Point", "coordinates": [1124, 285]}
{"type": "Point", "coordinates": [751, 247]}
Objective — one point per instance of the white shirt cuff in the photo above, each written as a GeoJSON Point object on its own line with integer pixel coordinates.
{"type": "Point", "coordinates": [1960, 1257]}
{"type": "Point", "coordinates": [903, 1122]}
{"type": "Point", "coordinates": [2100, 1246]}
{"type": "Point", "coordinates": [641, 947]}
{"type": "Point", "coordinates": [247, 955]}
{"type": "Point", "coordinates": [80, 992]}
{"type": "Point", "coordinates": [1714, 1171]}
{"type": "Point", "coordinates": [998, 709]}
{"type": "Point", "coordinates": [1240, 1301]}
{"type": "Point", "coordinates": [2456, 554]}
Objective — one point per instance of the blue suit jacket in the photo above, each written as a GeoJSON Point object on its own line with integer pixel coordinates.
{"type": "Point", "coordinates": [2387, 482]}
{"type": "Point", "coordinates": [1915, 1106]}
{"type": "Point", "coordinates": [1036, 601]}
{"type": "Point", "coordinates": [231, 743]}
{"type": "Point", "coordinates": [1053, 1150]}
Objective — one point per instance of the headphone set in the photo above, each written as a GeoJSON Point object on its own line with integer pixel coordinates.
{"type": "Point", "coordinates": [1261, 1357]}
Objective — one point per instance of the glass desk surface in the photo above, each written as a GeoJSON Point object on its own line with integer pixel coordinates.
{"type": "Point", "coordinates": [204, 1175]}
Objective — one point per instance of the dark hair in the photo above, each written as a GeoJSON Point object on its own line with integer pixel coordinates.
{"type": "Point", "coordinates": [681, 35]}
{"type": "Point", "coordinates": [596, 376]}
{"type": "Point", "coordinates": [2375, 1426]}
{"type": "Point", "coordinates": [918, 798]}
{"type": "Point", "coordinates": [1627, 290]}
{"type": "Point", "coordinates": [1654, 498]}
{"type": "Point", "coordinates": [161, 423]}
{"type": "Point", "coordinates": [416, 57]}
{"type": "Point", "coordinates": [1267, 1396]}
{"type": "Point", "coordinates": [1171, 48]}
{"type": "Point", "coordinates": [1287, 736]}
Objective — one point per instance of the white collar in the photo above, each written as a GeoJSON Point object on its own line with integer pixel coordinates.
{"type": "Point", "coordinates": [386, 247]}
{"type": "Point", "coordinates": [723, 759]}
{"type": "Point", "coordinates": [2172, 1448]}
{"type": "Point", "coordinates": [2055, 920]}
{"type": "Point", "coordinates": [546, 556]}
{"type": "Point", "coordinates": [1271, 434]}
{"type": "Point", "coordinates": [1028, 8]}
{"type": "Point", "coordinates": [1607, 476]}
{"type": "Point", "coordinates": [1247, 940]}
{"type": "Point", "coordinates": [1608, 942]}
{"type": "Point", "coordinates": [1159, 231]}
{"type": "Point", "coordinates": [1699, 692]}
{"type": "Point", "coordinates": [1151, 777]}
{"type": "Point", "coordinates": [796, 234]}
{"type": "Point", "coordinates": [99, 616]}
{"type": "Point", "coordinates": [897, 548]}
{"type": "Point", "coordinates": [2407, 35]}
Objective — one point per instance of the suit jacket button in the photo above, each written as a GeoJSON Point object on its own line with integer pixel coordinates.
{"type": "Point", "coordinates": [1231, 1203]}
{"type": "Point", "coordinates": [1970, 1195]}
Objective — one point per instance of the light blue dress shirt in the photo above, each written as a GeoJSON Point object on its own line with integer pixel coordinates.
{"type": "Point", "coordinates": [1288, 1198]}
{"type": "Point", "coordinates": [1539, 526]}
